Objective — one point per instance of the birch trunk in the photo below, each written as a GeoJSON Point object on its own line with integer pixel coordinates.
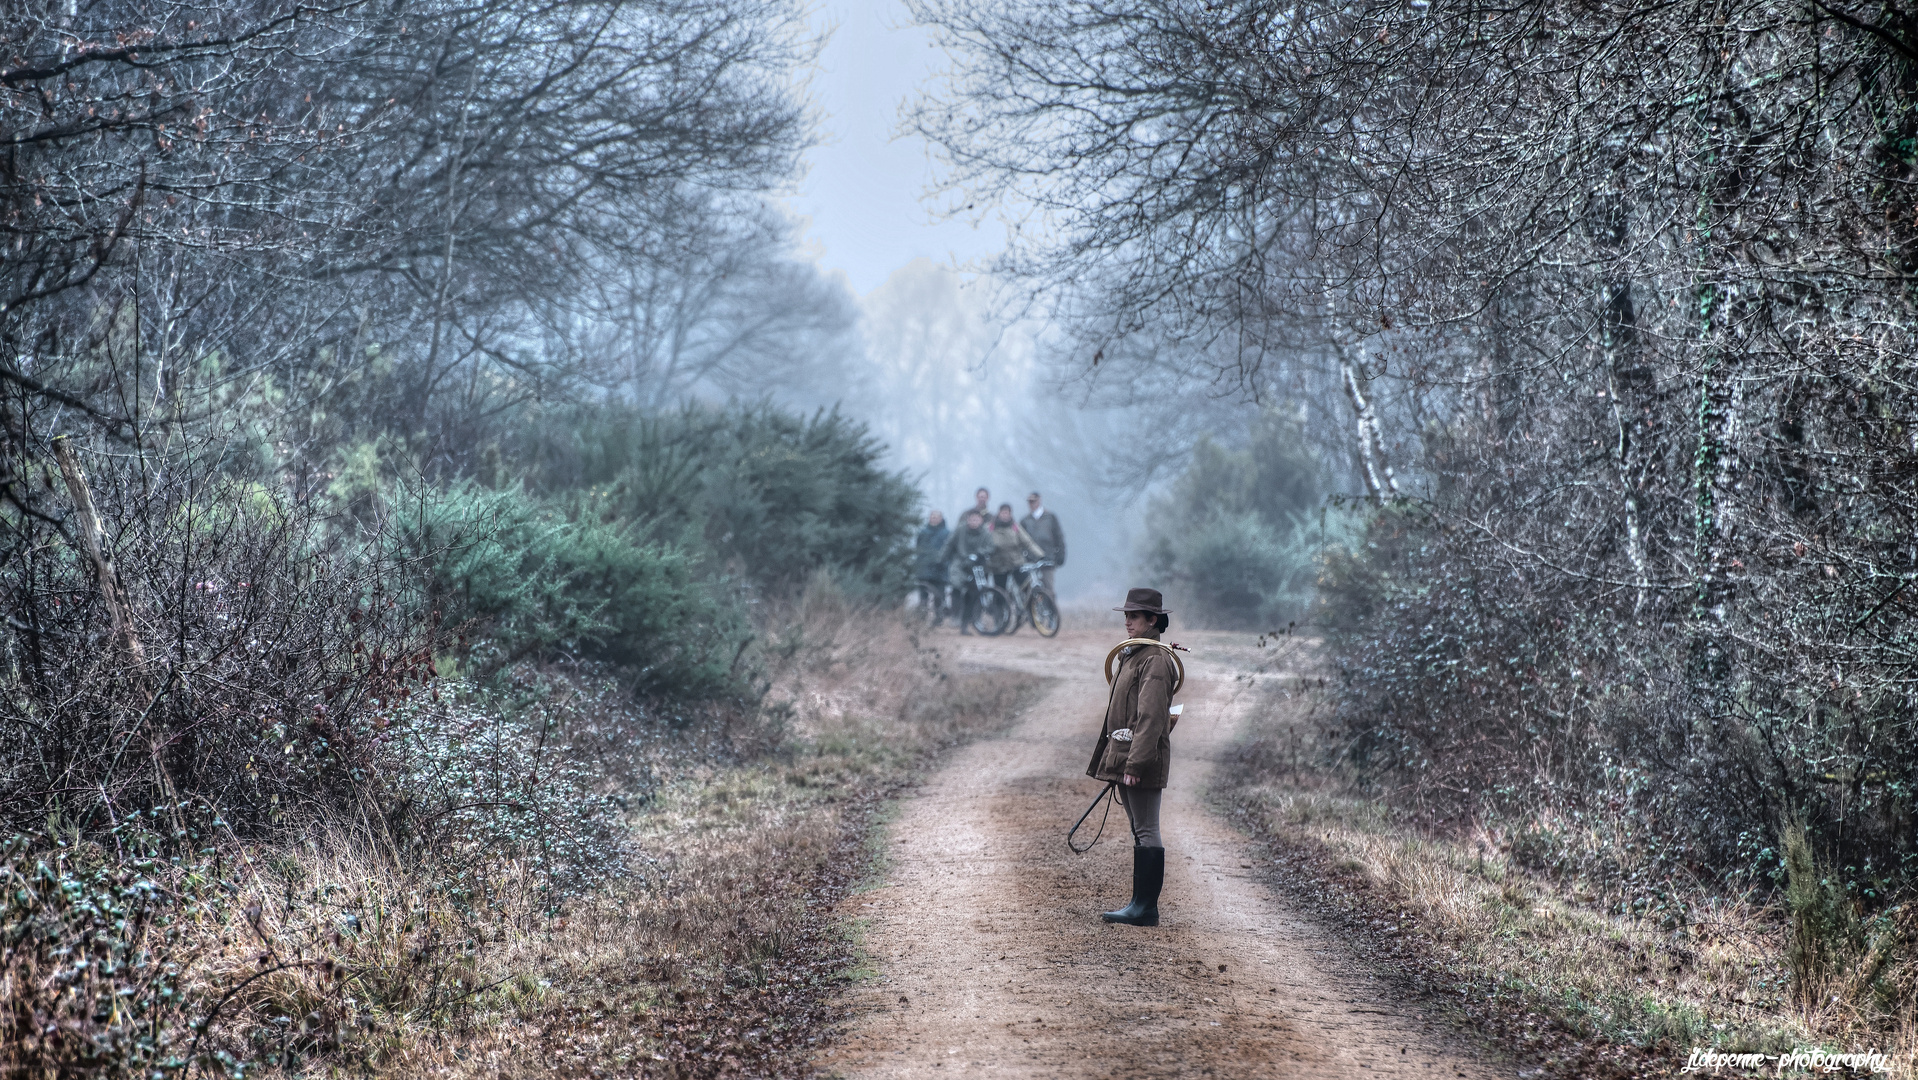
{"type": "Point", "coordinates": [1379, 478]}
{"type": "Point", "coordinates": [1622, 376]}
{"type": "Point", "coordinates": [91, 535]}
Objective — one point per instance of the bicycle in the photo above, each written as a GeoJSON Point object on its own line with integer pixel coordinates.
{"type": "Point", "coordinates": [1034, 602]}
{"type": "Point", "coordinates": [1023, 599]}
{"type": "Point", "coordinates": [994, 613]}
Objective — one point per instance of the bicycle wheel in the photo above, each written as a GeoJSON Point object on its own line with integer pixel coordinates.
{"type": "Point", "coordinates": [1043, 612]}
{"type": "Point", "coordinates": [996, 613]}
{"type": "Point", "coordinates": [1015, 600]}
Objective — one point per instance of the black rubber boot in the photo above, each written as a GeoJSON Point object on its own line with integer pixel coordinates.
{"type": "Point", "coordinates": [1148, 876]}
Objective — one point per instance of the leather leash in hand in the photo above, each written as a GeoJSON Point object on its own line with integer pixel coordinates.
{"type": "Point", "coordinates": [1105, 794]}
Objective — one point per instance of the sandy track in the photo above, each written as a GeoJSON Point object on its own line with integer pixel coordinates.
{"type": "Point", "coordinates": [991, 958]}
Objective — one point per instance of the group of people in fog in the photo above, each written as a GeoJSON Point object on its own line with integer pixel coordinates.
{"type": "Point", "coordinates": [997, 540]}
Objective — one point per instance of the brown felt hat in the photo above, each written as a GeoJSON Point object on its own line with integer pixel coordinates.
{"type": "Point", "coordinates": [1144, 600]}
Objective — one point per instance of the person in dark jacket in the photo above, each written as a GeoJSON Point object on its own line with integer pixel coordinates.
{"type": "Point", "coordinates": [929, 550]}
{"type": "Point", "coordinates": [929, 560]}
{"type": "Point", "coordinates": [1135, 746]}
{"type": "Point", "coordinates": [1044, 528]}
{"type": "Point", "coordinates": [970, 543]}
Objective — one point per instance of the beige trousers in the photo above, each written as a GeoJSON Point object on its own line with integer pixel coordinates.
{"type": "Point", "coordinates": [1142, 811]}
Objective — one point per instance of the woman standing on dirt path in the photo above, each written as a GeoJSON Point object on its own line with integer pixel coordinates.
{"type": "Point", "coordinates": [1135, 746]}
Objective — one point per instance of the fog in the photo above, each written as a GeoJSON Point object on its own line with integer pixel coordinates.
{"type": "Point", "coordinates": [964, 387]}
{"type": "Point", "coordinates": [966, 401]}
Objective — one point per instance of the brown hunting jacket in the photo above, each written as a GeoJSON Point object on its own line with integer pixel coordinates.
{"type": "Point", "coordinates": [1141, 699]}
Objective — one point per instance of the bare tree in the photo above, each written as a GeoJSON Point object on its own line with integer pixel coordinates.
{"type": "Point", "coordinates": [721, 304]}
{"type": "Point", "coordinates": [282, 185]}
{"type": "Point", "coordinates": [1627, 290]}
{"type": "Point", "coordinates": [242, 240]}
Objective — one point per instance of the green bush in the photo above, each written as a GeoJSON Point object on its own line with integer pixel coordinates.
{"type": "Point", "coordinates": [541, 582]}
{"type": "Point", "coordinates": [1239, 535]}
{"type": "Point", "coordinates": [1835, 951]}
{"type": "Point", "coordinates": [768, 496]}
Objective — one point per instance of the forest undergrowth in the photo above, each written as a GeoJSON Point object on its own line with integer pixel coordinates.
{"type": "Point", "coordinates": [1570, 970]}
{"type": "Point", "coordinates": [707, 950]}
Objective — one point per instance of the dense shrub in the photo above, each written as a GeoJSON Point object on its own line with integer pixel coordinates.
{"type": "Point", "coordinates": [472, 791]}
{"type": "Point", "coordinates": [1448, 687]}
{"type": "Point", "coordinates": [768, 495]}
{"type": "Point", "coordinates": [281, 669]}
{"type": "Point", "coordinates": [254, 644]}
{"type": "Point", "coordinates": [1478, 692]}
{"type": "Point", "coordinates": [538, 582]}
{"type": "Point", "coordinates": [1238, 536]}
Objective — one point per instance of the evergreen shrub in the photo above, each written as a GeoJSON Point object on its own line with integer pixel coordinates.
{"type": "Point", "coordinates": [766, 496]}
{"type": "Point", "coordinates": [537, 581]}
{"type": "Point", "coordinates": [1239, 535]}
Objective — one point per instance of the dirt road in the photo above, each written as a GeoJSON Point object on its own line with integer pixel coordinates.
{"type": "Point", "coordinates": [989, 956]}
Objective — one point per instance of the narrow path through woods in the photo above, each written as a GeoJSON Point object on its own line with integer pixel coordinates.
{"type": "Point", "coordinates": [988, 949]}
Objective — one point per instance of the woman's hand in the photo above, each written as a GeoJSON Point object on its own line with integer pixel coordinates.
{"type": "Point", "coordinates": [1131, 780]}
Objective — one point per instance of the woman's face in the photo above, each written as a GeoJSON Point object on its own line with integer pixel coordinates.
{"type": "Point", "coordinates": [1140, 623]}
{"type": "Point", "coordinates": [1005, 517]}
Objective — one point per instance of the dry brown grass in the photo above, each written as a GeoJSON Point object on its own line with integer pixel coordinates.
{"type": "Point", "coordinates": [716, 956]}
{"type": "Point", "coordinates": [1578, 987]}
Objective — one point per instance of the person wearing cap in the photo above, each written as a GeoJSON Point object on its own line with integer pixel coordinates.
{"type": "Point", "coordinates": [1135, 746]}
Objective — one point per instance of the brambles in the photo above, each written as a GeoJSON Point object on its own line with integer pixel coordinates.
{"type": "Point", "coordinates": [92, 944]}
{"type": "Point", "coordinates": [266, 648]}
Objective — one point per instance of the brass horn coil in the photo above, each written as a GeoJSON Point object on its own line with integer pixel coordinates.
{"type": "Point", "coordinates": [1178, 665]}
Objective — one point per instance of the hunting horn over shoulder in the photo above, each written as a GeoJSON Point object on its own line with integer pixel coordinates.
{"type": "Point", "coordinates": [1173, 650]}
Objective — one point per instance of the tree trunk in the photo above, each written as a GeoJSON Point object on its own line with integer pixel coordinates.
{"type": "Point", "coordinates": [90, 536]}
{"type": "Point", "coordinates": [1380, 481]}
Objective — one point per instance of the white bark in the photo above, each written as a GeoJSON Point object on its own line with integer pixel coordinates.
{"type": "Point", "coordinates": [1634, 532]}
{"type": "Point", "coordinates": [1379, 478]}
{"type": "Point", "coordinates": [90, 536]}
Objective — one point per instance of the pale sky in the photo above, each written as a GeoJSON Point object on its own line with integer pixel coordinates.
{"type": "Point", "coordinates": [863, 190]}
{"type": "Point", "coordinates": [959, 403]}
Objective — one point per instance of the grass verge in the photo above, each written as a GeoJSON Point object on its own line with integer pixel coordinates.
{"type": "Point", "coordinates": [1557, 971]}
